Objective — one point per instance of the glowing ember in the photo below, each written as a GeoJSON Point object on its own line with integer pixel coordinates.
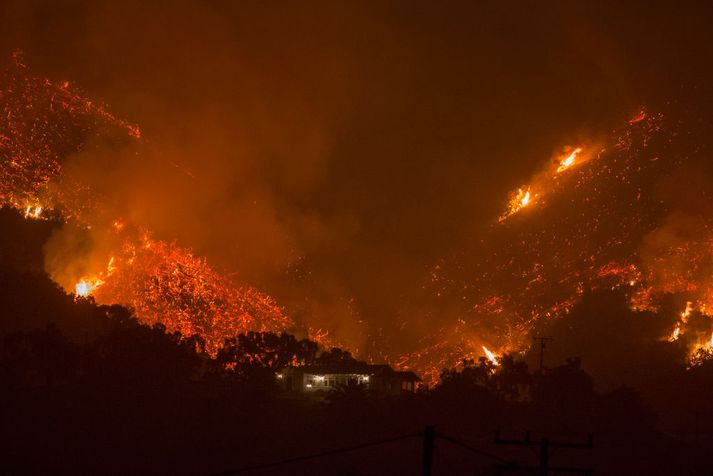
{"type": "Point", "coordinates": [587, 232]}
{"type": "Point", "coordinates": [42, 122]}
{"type": "Point", "coordinates": [701, 352]}
{"type": "Point", "coordinates": [167, 284]}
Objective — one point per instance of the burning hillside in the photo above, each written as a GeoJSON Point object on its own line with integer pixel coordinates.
{"type": "Point", "coordinates": [43, 123]}
{"type": "Point", "coordinates": [598, 217]}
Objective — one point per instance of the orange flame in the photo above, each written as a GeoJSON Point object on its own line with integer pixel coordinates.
{"type": "Point", "coordinates": [519, 201]}
{"type": "Point", "coordinates": [568, 161]}
{"type": "Point", "coordinates": [33, 211]}
{"type": "Point", "coordinates": [86, 286]}
{"type": "Point", "coordinates": [491, 356]}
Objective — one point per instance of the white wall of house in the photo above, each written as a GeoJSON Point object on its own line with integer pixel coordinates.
{"type": "Point", "coordinates": [315, 382]}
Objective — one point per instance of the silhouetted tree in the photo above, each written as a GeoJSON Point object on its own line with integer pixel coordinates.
{"type": "Point", "coordinates": [38, 358]}
{"type": "Point", "coordinates": [471, 382]}
{"type": "Point", "coordinates": [335, 356]}
{"type": "Point", "coordinates": [510, 378]}
{"type": "Point", "coordinates": [131, 353]}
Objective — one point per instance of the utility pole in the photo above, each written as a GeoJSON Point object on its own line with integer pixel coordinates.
{"type": "Point", "coordinates": [542, 351]}
{"type": "Point", "coordinates": [544, 468]}
{"type": "Point", "coordinates": [429, 434]}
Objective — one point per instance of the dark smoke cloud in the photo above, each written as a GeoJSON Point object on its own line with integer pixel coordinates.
{"type": "Point", "coordinates": [616, 344]}
{"type": "Point", "coordinates": [332, 152]}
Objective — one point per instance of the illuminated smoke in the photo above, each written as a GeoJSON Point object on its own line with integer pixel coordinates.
{"type": "Point", "coordinates": [592, 218]}
{"type": "Point", "coordinates": [603, 224]}
{"type": "Point", "coordinates": [163, 283]}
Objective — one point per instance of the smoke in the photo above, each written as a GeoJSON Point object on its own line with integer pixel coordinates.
{"type": "Point", "coordinates": [330, 154]}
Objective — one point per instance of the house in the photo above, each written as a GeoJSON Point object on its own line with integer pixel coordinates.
{"type": "Point", "coordinates": [317, 379]}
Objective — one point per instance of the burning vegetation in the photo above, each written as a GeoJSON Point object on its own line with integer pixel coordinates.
{"type": "Point", "coordinates": [594, 220]}
{"type": "Point", "coordinates": [43, 122]}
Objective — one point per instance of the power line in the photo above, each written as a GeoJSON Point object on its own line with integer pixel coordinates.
{"type": "Point", "coordinates": [315, 455]}
{"type": "Point", "coordinates": [475, 450]}
{"type": "Point", "coordinates": [545, 444]}
{"type": "Point", "coordinates": [429, 436]}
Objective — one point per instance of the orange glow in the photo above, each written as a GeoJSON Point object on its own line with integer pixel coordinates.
{"type": "Point", "coordinates": [164, 283]}
{"type": "Point", "coordinates": [639, 117]}
{"type": "Point", "coordinates": [675, 334]}
{"type": "Point", "coordinates": [568, 161]}
{"type": "Point", "coordinates": [519, 201]}
{"type": "Point", "coordinates": [686, 312]}
{"type": "Point", "coordinates": [541, 274]}
{"type": "Point", "coordinates": [679, 330]}
{"type": "Point", "coordinates": [86, 286]}
{"type": "Point", "coordinates": [491, 357]}
{"type": "Point", "coordinates": [33, 211]}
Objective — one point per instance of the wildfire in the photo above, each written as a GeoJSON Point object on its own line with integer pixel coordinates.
{"type": "Point", "coordinates": [679, 329]}
{"type": "Point", "coordinates": [166, 284]}
{"type": "Point", "coordinates": [491, 357]}
{"type": "Point", "coordinates": [569, 160]}
{"type": "Point", "coordinates": [86, 286]}
{"type": "Point", "coordinates": [33, 211]}
{"type": "Point", "coordinates": [701, 352]}
{"type": "Point", "coordinates": [587, 234]}
{"type": "Point", "coordinates": [686, 312]}
{"type": "Point", "coordinates": [41, 122]}
{"type": "Point", "coordinates": [519, 201]}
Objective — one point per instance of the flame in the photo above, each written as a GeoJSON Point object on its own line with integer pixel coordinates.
{"type": "Point", "coordinates": [686, 312]}
{"type": "Point", "coordinates": [167, 284]}
{"type": "Point", "coordinates": [86, 286]}
{"type": "Point", "coordinates": [33, 211]}
{"type": "Point", "coordinates": [519, 201]}
{"type": "Point", "coordinates": [679, 329]}
{"type": "Point", "coordinates": [491, 357]}
{"type": "Point", "coordinates": [569, 160]}
{"type": "Point", "coordinates": [701, 352]}
{"type": "Point", "coordinates": [675, 334]}
{"type": "Point", "coordinates": [538, 273]}
{"type": "Point", "coordinates": [639, 117]}
{"type": "Point", "coordinates": [525, 199]}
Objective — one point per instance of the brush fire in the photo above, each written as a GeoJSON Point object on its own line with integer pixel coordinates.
{"type": "Point", "coordinates": [589, 219]}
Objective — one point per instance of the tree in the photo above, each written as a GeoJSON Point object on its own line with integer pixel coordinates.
{"type": "Point", "coordinates": [38, 358]}
{"type": "Point", "coordinates": [132, 353]}
{"type": "Point", "coordinates": [510, 378]}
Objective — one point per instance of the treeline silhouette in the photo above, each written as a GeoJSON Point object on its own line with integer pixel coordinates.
{"type": "Point", "coordinates": [86, 389]}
